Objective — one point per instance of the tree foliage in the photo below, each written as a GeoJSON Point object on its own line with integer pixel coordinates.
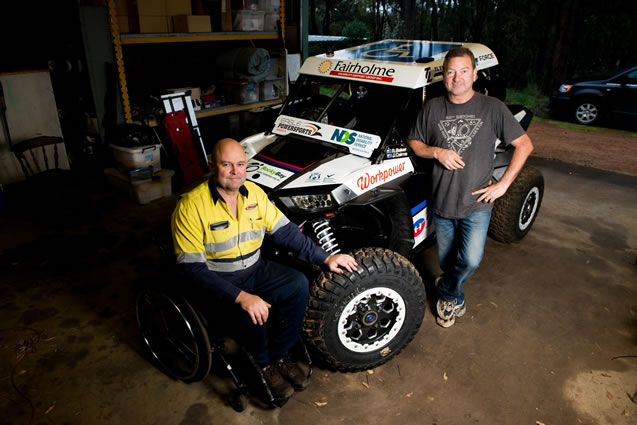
{"type": "Point", "coordinates": [538, 42]}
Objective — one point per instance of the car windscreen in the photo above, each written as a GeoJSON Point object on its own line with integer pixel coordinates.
{"type": "Point", "coordinates": [361, 106]}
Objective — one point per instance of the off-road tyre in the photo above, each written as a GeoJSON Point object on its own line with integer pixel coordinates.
{"type": "Point", "coordinates": [514, 213]}
{"type": "Point", "coordinates": [360, 320]}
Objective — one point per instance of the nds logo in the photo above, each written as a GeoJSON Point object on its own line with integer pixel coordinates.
{"type": "Point", "coordinates": [344, 136]}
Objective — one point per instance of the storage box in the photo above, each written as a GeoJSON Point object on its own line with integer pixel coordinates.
{"type": "Point", "coordinates": [249, 4]}
{"type": "Point", "coordinates": [191, 23]}
{"type": "Point", "coordinates": [241, 92]}
{"type": "Point", "coordinates": [144, 191]}
{"type": "Point", "coordinates": [270, 6]}
{"type": "Point", "coordinates": [178, 7]}
{"type": "Point", "coordinates": [134, 158]}
{"type": "Point", "coordinates": [271, 89]}
{"type": "Point", "coordinates": [152, 24]}
{"type": "Point", "coordinates": [276, 68]}
{"type": "Point", "coordinates": [248, 20]}
{"type": "Point", "coordinates": [149, 7]}
{"type": "Point", "coordinates": [271, 22]}
{"type": "Point", "coordinates": [195, 95]}
{"type": "Point", "coordinates": [122, 23]}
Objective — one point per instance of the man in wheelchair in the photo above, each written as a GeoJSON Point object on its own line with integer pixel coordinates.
{"type": "Point", "coordinates": [218, 229]}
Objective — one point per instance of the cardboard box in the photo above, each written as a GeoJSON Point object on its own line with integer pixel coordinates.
{"type": "Point", "coordinates": [195, 95]}
{"type": "Point", "coordinates": [153, 24]}
{"type": "Point", "coordinates": [149, 7]}
{"type": "Point", "coordinates": [191, 23]}
{"type": "Point", "coordinates": [143, 191]}
{"type": "Point", "coordinates": [226, 16]}
{"type": "Point", "coordinates": [178, 7]}
{"type": "Point", "coordinates": [122, 24]}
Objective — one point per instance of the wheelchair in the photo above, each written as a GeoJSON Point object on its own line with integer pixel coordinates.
{"type": "Point", "coordinates": [185, 344]}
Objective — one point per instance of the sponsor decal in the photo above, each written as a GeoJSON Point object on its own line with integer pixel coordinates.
{"type": "Point", "coordinates": [324, 66]}
{"type": "Point", "coordinates": [358, 143]}
{"type": "Point", "coordinates": [363, 71]}
{"type": "Point", "coordinates": [329, 178]}
{"type": "Point", "coordinates": [286, 125]}
{"type": "Point", "coordinates": [358, 140]}
{"type": "Point", "coordinates": [369, 180]}
{"type": "Point", "coordinates": [272, 175]}
{"type": "Point", "coordinates": [314, 177]}
{"type": "Point", "coordinates": [419, 226]}
{"type": "Point", "coordinates": [396, 153]}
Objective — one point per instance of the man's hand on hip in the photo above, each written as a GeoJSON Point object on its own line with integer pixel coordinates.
{"type": "Point", "coordinates": [491, 193]}
{"type": "Point", "coordinates": [336, 261]}
{"type": "Point", "coordinates": [254, 306]}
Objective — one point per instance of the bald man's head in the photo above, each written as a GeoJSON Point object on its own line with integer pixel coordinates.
{"type": "Point", "coordinates": [228, 165]}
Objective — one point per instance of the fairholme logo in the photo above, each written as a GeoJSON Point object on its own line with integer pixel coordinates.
{"type": "Point", "coordinates": [367, 180]}
{"type": "Point", "coordinates": [324, 66]}
{"type": "Point", "coordinates": [357, 68]}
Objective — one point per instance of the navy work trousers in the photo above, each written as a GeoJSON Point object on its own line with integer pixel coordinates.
{"type": "Point", "coordinates": [287, 291]}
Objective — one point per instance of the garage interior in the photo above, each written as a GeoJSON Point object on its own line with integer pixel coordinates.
{"type": "Point", "coordinates": [551, 331]}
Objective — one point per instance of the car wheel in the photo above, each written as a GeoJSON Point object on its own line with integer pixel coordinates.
{"type": "Point", "coordinates": [514, 213]}
{"type": "Point", "coordinates": [587, 112]}
{"type": "Point", "coordinates": [360, 320]}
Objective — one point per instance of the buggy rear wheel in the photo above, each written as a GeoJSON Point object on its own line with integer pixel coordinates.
{"type": "Point", "coordinates": [514, 213]}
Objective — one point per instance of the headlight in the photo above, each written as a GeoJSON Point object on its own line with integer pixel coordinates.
{"type": "Point", "coordinates": [309, 203]}
{"type": "Point", "coordinates": [564, 88]}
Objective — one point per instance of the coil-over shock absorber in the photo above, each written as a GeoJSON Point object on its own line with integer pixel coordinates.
{"type": "Point", "coordinates": [325, 236]}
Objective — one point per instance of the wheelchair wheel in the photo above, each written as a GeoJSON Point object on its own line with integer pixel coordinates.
{"type": "Point", "coordinates": [175, 336]}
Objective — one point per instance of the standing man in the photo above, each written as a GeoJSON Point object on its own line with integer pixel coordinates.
{"type": "Point", "coordinates": [218, 229]}
{"type": "Point", "coordinates": [460, 130]}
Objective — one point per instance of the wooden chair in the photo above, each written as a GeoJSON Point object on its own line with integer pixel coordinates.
{"type": "Point", "coordinates": [28, 153]}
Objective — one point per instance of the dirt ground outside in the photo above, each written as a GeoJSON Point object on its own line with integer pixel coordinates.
{"type": "Point", "coordinates": [596, 147]}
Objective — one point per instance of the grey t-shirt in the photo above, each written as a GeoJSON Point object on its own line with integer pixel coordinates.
{"type": "Point", "coordinates": [471, 130]}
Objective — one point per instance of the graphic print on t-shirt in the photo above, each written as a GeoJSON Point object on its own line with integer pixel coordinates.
{"type": "Point", "coordinates": [459, 131]}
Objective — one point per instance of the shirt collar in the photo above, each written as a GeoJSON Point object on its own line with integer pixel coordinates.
{"type": "Point", "coordinates": [214, 193]}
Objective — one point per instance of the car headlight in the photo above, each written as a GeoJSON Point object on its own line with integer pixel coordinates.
{"type": "Point", "coordinates": [564, 88]}
{"type": "Point", "coordinates": [309, 203]}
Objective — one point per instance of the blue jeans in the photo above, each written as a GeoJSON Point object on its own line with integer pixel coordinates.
{"type": "Point", "coordinates": [460, 250]}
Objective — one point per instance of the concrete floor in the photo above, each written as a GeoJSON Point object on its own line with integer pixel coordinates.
{"type": "Point", "coordinates": [546, 319]}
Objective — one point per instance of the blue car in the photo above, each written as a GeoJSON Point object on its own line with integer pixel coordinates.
{"type": "Point", "coordinates": [589, 101]}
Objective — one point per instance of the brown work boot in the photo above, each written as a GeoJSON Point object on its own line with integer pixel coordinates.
{"type": "Point", "coordinates": [279, 387]}
{"type": "Point", "coordinates": [293, 373]}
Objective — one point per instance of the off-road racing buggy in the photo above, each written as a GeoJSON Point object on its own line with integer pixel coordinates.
{"type": "Point", "coordinates": [337, 163]}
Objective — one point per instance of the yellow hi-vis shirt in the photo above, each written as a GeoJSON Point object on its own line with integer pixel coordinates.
{"type": "Point", "coordinates": [205, 231]}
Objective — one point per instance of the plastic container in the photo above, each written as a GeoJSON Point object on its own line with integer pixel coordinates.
{"type": "Point", "coordinates": [270, 6]}
{"type": "Point", "coordinates": [276, 68]}
{"type": "Point", "coordinates": [240, 92]}
{"type": "Point", "coordinates": [248, 20]}
{"type": "Point", "coordinates": [142, 191]}
{"type": "Point", "coordinates": [271, 22]}
{"type": "Point", "coordinates": [135, 158]}
{"type": "Point", "coordinates": [271, 89]}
